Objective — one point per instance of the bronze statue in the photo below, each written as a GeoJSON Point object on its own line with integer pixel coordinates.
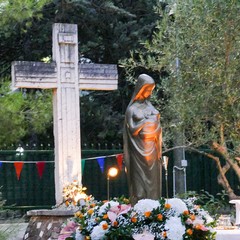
{"type": "Point", "coordinates": [142, 143]}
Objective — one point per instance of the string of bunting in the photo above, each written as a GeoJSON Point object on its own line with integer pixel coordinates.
{"type": "Point", "coordinates": [40, 165]}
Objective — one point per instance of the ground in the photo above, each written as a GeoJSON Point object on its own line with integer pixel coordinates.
{"type": "Point", "coordinates": [13, 230]}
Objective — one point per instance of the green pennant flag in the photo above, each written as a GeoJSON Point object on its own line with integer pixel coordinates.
{"type": "Point", "coordinates": [83, 165]}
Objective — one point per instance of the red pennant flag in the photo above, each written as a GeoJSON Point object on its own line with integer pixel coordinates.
{"type": "Point", "coordinates": [119, 160]}
{"type": "Point", "coordinates": [40, 168]}
{"type": "Point", "coordinates": [18, 168]}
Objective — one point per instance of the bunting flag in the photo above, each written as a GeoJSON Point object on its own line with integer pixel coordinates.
{"type": "Point", "coordinates": [83, 164]}
{"type": "Point", "coordinates": [119, 161]}
{"type": "Point", "coordinates": [41, 165]}
{"type": "Point", "coordinates": [101, 163]}
{"type": "Point", "coordinates": [18, 168]}
{"type": "Point", "coordinates": [40, 168]}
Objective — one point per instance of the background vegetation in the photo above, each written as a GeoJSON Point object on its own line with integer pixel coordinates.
{"type": "Point", "coordinates": [191, 49]}
{"type": "Point", "coordinates": [195, 53]}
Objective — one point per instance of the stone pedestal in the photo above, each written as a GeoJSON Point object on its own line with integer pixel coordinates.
{"type": "Point", "coordinates": [46, 224]}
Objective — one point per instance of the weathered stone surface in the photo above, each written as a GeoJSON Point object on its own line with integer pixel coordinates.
{"type": "Point", "coordinates": [65, 76]}
{"type": "Point", "coordinates": [46, 212]}
{"type": "Point", "coordinates": [45, 224]}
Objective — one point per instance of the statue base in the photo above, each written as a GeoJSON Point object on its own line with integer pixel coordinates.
{"type": "Point", "coordinates": [46, 224]}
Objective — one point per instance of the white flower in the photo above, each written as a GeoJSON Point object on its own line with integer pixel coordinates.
{"type": "Point", "coordinates": [205, 214]}
{"type": "Point", "coordinates": [177, 205]}
{"type": "Point", "coordinates": [143, 236]}
{"type": "Point", "coordinates": [175, 228]}
{"type": "Point", "coordinates": [106, 205]}
{"type": "Point", "coordinates": [98, 232]}
{"type": "Point", "coordinates": [209, 219]}
{"type": "Point", "coordinates": [79, 236]}
{"type": "Point", "coordinates": [198, 220]}
{"type": "Point", "coordinates": [146, 205]}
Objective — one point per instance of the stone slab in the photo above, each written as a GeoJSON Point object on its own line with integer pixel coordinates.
{"type": "Point", "coordinates": [47, 212]}
{"type": "Point", "coordinates": [46, 224]}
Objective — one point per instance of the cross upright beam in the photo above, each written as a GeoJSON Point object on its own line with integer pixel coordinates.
{"type": "Point", "coordinates": [65, 76]}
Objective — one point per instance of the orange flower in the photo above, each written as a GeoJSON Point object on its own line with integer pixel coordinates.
{"type": "Point", "coordinates": [189, 232]}
{"type": "Point", "coordinates": [90, 211]}
{"type": "Point", "coordinates": [105, 226]}
{"type": "Point", "coordinates": [134, 219]}
{"type": "Point", "coordinates": [186, 212]}
{"type": "Point", "coordinates": [198, 227]}
{"type": "Point", "coordinates": [192, 217]}
{"type": "Point", "coordinates": [147, 214]}
{"type": "Point", "coordinates": [105, 216]}
{"type": "Point", "coordinates": [78, 214]}
{"type": "Point", "coordinates": [92, 205]}
{"type": "Point", "coordinates": [115, 223]}
{"type": "Point", "coordinates": [167, 205]}
{"type": "Point", "coordinates": [159, 217]}
{"type": "Point", "coordinates": [201, 227]}
{"type": "Point", "coordinates": [164, 234]}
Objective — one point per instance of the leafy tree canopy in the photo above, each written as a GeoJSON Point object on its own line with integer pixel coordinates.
{"type": "Point", "coordinates": [194, 57]}
{"type": "Point", "coordinates": [108, 30]}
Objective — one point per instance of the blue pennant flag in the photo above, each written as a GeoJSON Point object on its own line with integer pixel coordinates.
{"type": "Point", "coordinates": [101, 163]}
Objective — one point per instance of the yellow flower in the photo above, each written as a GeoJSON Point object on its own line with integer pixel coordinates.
{"type": "Point", "coordinates": [78, 214]}
{"type": "Point", "coordinates": [90, 211]}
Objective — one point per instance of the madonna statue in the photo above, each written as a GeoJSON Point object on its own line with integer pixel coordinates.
{"type": "Point", "coordinates": [142, 143]}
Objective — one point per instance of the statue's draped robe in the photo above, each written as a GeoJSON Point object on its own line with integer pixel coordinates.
{"type": "Point", "coordinates": [142, 151]}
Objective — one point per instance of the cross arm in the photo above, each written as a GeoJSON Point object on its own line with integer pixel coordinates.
{"type": "Point", "coordinates": [34, 75]}
{"type": "Point", "coordinates": [98, 76]}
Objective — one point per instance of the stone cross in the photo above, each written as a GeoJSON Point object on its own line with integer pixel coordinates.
{"type": "Point", "coordinates": [65, 76]}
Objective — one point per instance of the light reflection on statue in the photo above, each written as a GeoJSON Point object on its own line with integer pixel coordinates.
{"type": "Point", "coordinates": [142, 143]}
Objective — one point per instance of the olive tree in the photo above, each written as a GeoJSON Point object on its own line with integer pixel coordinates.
{"type": "Point", "coordinates": [194, 56]}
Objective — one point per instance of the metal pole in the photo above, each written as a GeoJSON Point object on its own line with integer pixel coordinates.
{"type": "Point", "coordinates": [174, 187]}
{"type": "Point", "coordinates": [108, 180]}
{"type": "Point", "coordinates": [185, 180]}
{"type": "Point", "coordinates": [166, 178]}
{"type": "Point", "coordinates": [174, 179]}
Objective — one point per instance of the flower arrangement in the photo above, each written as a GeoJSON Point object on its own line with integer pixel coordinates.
{"type": "Point", "coordinates": [73, 194]}
{"type": "Point", "coordinates": [171, 219]}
